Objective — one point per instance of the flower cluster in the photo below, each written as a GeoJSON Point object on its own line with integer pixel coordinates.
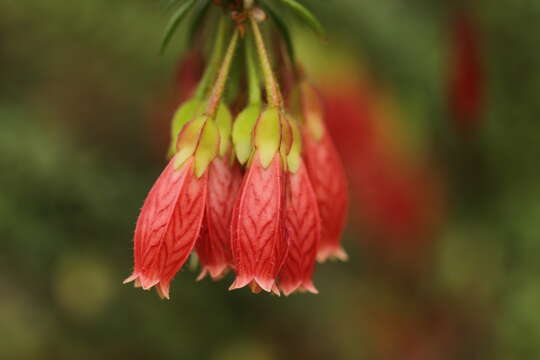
{"type": "Point", "coordinates": [259, 190]}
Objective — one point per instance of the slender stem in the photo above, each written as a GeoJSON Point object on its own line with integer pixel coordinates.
{"type": "Point", "coordinates": [272, 87]}
{"type": "Point", "coordinates": [213, 65]}
{"type": "Point", "coordinates": [219, 85]}
{"type": "Point", "coordinates": [254, 89]}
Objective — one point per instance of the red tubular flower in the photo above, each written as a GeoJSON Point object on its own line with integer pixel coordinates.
{"type": "Point", "coordinates": [258, 242]}
{"type": "Point", "coordinates": [326, 174]}
{"type": "Point", "coordinates": [466, 83]}
{"type": "Point", "coordinates": [214, 248]}
{"type": "Point", "coordinates": [168, 226]}
{"type": "Point", "coordinates": [400, 197]}
{"type": "Point", "coordinates": [172, 215]}
{"type": "Point", "coordinates": [259, 245]}
{"type": "Point", "coordinates": [303, 226]}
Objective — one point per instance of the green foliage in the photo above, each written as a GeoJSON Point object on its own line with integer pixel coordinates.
{"type": "Point", "coordinates": [174, 22]}
{"type": "Point", "coordinates": [305, 15]}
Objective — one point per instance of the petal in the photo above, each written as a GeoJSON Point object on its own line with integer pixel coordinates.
{"type": "Point", "coordinates": [303, 226]}
{"type": "Point", "coordinates": [154, 217]}
{"type": "Point", "coordinates": [330, 186]}
{"type": "Point", "coordinates": [258, 242]}
{"type": "Point", "coordinates": [168, 226]}
{"type": "Point", "coordinates": [214, 246]}
{"type": "Point", "coordinates": [184, 227]}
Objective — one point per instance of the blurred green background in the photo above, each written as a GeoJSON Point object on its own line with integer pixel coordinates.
{"type": "Point", "coordinates": [81, 95]}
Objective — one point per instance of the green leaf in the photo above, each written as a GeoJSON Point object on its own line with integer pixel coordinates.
{"type": "Point", "coordinates": [200, 14]}
{"type": "Point", "coordinates": [169, 4]}
{"type": "Point", "coordinates": [307, 16]}
{"type": "Point", "coordinates": [283, 29]}
{"type": "Point", "coordinates": [176, 19]}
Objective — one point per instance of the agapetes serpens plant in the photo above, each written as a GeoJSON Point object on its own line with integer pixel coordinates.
{"type": "Point", "coordinates": [254, 183]}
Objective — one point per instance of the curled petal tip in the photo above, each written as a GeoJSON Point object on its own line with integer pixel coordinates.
{"type": "Point", "coordinates": [136, 280]}
{"type": "Point", "coordinates": [202, 275]}
{"type": "Point", "coordinates": [325, 254]}
{"type": "Point", "coordinates": [339, 254]}
{"type": "Point", "coordinates": [255, 288]}
{"type": "Point", "coordinates": [215, 273]}
{"type": "Point", "coordinates": [288, 290]}
{"type": "Point", "coordinates": [147, 283]}
{"type": "Point", "coordinates": [130, 278]}
{"type": "Point", "coordinates": [265, 284]}
{"type": "Point", "coordinates": [275, 290]}
{"type": "Point", "coordinates": [239, 283]}
{"type": "Point", "coordinates": [309, 287]}
{"type": "Point", "coordinates": [163, 291]}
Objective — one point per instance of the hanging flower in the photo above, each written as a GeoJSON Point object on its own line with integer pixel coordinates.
{"type": "Point", "coordinates": [466, 73]}
{"type": "Point", "coordinates": [224, 179]}
{"type": "Point", "coordinates": [302, 225]}
{"type": "Point", "coordinates": [327, 175]}
{"type": "Point", "coordinates": [259, 244]}
{"type": "Point", "coordinates": [262, 195]}
{"type": "Point", "coordinates": [172, 215]}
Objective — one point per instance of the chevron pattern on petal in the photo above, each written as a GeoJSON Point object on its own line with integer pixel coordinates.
{"type": "Point", "coordinates": [153, 222]}
{"type": "Point", "coordinates": [330, 186]}
{"type": "Point", "coordinates": [257, 237]}
{"type": "Point", "coordinates": [185, 225]}
{"type": "Point", "coordinates": [303, 226]}
{"type": "Point", "coordinates": [214, 249]}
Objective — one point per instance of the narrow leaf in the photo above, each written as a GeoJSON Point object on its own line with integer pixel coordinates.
{"type": "Point", "coordinates": [307, 16]}
{"type": "Point", "coordinates": [176, 19]}
{"type": "Point", "coordinates": [200, 14]}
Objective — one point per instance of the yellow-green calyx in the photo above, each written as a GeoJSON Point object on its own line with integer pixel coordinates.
{"type": "Point", "coordinates": [199, 138]}
{"type": "Point", "coordinates": [188, 139]}
{"type": "Point", "coordinates": [295, 154]}
{"type": "Point", "coordinates": [242, 133]}
{"type": "Point", "coordinates": [208, 147]}
{"type": "Point", "coordinates": [267, 137]}
{"type": "Point", "coordinates": [286, 136]}
{"type": "Point", "coordinates": [186, 112]}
